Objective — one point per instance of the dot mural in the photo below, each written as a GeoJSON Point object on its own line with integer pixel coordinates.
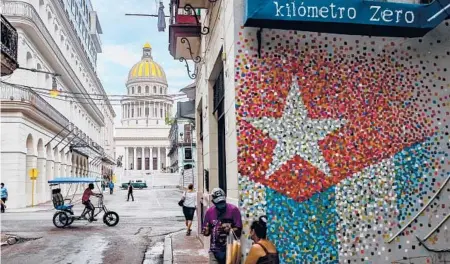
{"type": "Point", "coordinates": [342, 140]}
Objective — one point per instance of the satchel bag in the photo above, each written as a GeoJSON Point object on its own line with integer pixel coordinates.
{"type": "Point", "coordinates": [181, 202]}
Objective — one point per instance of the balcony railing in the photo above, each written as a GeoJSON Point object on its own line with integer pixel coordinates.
{"type": "Point", "coordinates": [8, 47]}
{"type": "Point", "coordinates": [27, 11]}
{"type": "Point", "coordinates": [10, 93]}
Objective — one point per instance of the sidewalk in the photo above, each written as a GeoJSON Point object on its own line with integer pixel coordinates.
{"type": "Point", "coordinates": [47, 206]}
{"type": "Point", "coordinates": [179, 248]}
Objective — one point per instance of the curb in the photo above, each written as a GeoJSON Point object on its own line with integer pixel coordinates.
{"type": "Point", "coordinates": [168, 254]}
{"type": "Point", "coordinates": [33, 210]}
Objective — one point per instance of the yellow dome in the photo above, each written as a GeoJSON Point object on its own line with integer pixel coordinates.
{"type": "Point", "coordinates": [147, 67]}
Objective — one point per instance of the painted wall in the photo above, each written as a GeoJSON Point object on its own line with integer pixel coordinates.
{"type": "Point", "coordinates": [342, 140]}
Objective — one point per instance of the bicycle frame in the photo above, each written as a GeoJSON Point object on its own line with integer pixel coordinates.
{"type": "Point", "coordinates": [100, 205]}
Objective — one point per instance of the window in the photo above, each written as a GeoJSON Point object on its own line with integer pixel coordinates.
{"type": "Point", "coordinates": [139, 89]}
{"type": "Point", "coordinates": [132, 90]}
{"type": "Point", "coordinates": [187, 153]}
{"type": "Point", "coordinates": [219, 111]}
{"type": "Point", "coordinates": [154, 89]}
{"type": "Point", "coordinates": [187, 133]}
{"type": "Point", "coordinates": [160, 90]}
{"type": "Point", "coordinates": [147, 90]}
{"type": "Point", "coordinates": [146, 111]}
{"type": "Point", "coordinates": [161, 112]}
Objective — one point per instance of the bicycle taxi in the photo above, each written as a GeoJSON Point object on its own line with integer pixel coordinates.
{"type": "Point", "coordinates": [64, 215]}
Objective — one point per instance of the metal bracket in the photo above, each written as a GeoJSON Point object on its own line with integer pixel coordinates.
{"type": "Point", "coordinates": [204, 30]}
{"type": "Point", "coordinates": [64, 129]}
{"type": "Point", "coordinates": [193, 75]}
{"type": "Point", "coordinates": [196, 59]}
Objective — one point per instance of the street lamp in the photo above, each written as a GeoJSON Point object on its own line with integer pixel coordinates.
{"type": "Point", "coordinates": [54, 92]}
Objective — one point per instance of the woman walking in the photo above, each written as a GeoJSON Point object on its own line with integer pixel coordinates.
{"type": "Point", "coordinates": [263, 251]}
{"type": "Point", "coordinates": [189, 204]}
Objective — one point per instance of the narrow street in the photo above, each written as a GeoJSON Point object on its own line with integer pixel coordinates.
{"type": "Point", "coordinates": [144, 222]}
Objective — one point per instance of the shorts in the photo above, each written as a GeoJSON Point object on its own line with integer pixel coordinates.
{"type": "Point", "coordinates": [188, 213]}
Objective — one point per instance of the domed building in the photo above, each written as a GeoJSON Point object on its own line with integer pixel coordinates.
{"type": "Point", "coordinates": [142, 138]}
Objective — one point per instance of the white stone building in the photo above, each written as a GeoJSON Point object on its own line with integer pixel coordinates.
{"type": "Point", "coordinates": [142, 138]}
{"type": "Point", "coordinates": [67, 135]}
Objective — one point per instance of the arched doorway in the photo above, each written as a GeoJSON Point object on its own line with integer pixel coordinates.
{"type": "Point", "coordinates": [31, 162]}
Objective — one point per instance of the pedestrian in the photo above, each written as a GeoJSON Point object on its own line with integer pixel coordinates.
{"type": "Point", "coordinates": [130, 192]}
{"type": "Point", "coordinates": [189, 204]}
{"type": "Point", "coordinates": [85, 199]}
{"type": "Point", "coordinates": [263, 251]}
{"type": "Point", "coordinates": [111, 187]}
{"type": "Point", "coordinates": [4, 196]}
{"type": "Point", "coordinates": [219, 220]}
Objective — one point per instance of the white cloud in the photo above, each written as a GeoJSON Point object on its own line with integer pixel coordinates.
{"type": "Point", "coordinates": [122, 55]}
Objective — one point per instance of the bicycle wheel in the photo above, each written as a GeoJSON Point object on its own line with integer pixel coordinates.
{"type": "Point", "coordinates": [111, 218]}
{"type": "Point", "coordinates": [71, 218]}
{"type": "Point", "coordinates": [60, 219]}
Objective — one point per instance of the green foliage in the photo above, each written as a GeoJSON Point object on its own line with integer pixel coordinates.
{"type": "Point", "coordinates": [169, 121]}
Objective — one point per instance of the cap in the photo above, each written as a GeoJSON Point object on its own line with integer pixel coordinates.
{"type": "Point", "coordinates": [218, 195]}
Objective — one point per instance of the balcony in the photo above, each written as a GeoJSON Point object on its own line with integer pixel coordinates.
{"type": "Point", "coordinates": [25, 16]}
{"type": "Point", "coordinates": [15, 97]}
{"type": "Point", "coordinates": [185, 37]}
{"type": "Point", "coordinates": [9, 48]}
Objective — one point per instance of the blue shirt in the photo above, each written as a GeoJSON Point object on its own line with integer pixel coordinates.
{"type": "Point", "coordinates": [111, 185]}
{"type": "Point", "coordinates": [4, 193]}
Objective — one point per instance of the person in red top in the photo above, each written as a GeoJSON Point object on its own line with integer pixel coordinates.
{"type": "Point", "coordinates": [85, 200]}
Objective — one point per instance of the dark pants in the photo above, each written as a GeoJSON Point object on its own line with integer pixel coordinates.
{"type": "Point", "coordinates": [111, 191]}
{"type": "Point", "coordinates": [90, 208]}
{"type": "Point", "coordinates": [4, 202]}
{"type": "Point", "coordinates": [132, 197]}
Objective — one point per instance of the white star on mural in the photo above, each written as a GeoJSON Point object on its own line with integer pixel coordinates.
{"type": "Point", "coordinates": [296, 133]}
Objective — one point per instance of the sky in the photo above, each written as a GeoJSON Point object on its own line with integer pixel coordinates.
{"type": "Point", "coordinates": [122, 41]}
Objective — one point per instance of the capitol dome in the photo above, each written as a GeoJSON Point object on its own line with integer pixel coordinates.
{"type": "Point", "coordinates": [147, 69]}
{"type": "Point", "coordinates": [148, 102]}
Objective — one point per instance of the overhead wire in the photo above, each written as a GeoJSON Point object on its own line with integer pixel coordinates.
{"type": "Point", "coordinates": [92, 96]}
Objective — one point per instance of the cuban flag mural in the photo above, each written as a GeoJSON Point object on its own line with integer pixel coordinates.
{"type": "Point", "coordinates": [342, 141]}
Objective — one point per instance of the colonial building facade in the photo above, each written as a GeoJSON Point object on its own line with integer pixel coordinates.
{"type": "Point", "coordinates": [49, 121]}
{"type": "Point", "coordinates": [141, 140]}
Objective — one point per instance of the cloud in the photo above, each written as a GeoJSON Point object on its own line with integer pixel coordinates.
{"type": "Point", "coordinates": [122, 55]}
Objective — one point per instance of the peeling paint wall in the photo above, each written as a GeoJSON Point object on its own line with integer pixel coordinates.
{"type": "Point", "coordinates": [342, 140]}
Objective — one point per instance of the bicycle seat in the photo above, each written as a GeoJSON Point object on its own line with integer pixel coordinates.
{"type": "Point", "coordinates": [64, 207]}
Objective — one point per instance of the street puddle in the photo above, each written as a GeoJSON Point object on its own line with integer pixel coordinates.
{"type": "Point", "coordinates": [90, 251]}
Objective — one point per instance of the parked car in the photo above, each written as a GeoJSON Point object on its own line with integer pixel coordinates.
{"type": "Point", "coordinates": [137, 184]}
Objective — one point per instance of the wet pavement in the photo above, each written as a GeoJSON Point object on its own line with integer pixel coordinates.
{"type": "Point", "coordinates": [143, 223]}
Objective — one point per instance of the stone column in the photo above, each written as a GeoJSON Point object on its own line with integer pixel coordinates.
{"type": "Point", "coordinates": [40, 182]}
{"type": "Point", "coordinates": [143, 158]}
{"type": "Point", "coordinates": [135, 159]}
{"type": "Point", "coordinates": [159, 159]}
{"type": "Point", "coordinates": [125, 159]}
{"type": "Point", "coordinates": [151, 159]}
{"type": "Point", "coordinates": [57, 169]}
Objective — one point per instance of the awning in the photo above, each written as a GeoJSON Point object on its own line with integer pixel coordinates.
{"type": "Point", "coordinates": [67, 180]}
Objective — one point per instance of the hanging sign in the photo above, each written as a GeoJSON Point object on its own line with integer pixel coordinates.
{"type": "Point", "coordinates": [354, 17]}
